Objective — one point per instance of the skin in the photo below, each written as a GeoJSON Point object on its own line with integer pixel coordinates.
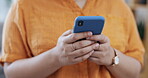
{"type": "Point", "coordinates": [66, 52]}
{"type": "Point", "coordinates": [104, 54]}
{"type": "Point", "coordinates": [80, 3]}
{"type": "Point", "coordinates": [69, 51]}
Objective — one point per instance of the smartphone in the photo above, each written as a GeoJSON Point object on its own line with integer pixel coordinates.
{"type": "Point", "coordinates": [94, 24]}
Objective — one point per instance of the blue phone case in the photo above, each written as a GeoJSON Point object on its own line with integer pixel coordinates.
{"type": "Point", "coordinates": [94, 24]}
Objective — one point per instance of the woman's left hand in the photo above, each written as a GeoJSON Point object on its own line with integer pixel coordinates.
{"type": "Point", "coordinates": [104, 53]}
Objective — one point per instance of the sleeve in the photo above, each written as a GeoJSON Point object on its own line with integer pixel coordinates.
{"type": "Point", "coordinates": [14, 44]}
{"type": "Point", "coordinates": [135, 47]}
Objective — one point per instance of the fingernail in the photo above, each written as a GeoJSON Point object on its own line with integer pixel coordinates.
{"type": "Point", "coordinates": [90, 34]}
{"type": "Point", "coordinates": [97, 45]}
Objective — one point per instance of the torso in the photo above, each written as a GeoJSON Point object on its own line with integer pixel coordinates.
{"type": "Point", "coordinates": [46, 20]}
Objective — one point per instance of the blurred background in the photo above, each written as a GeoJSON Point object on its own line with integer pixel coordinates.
{"type": "Point", "coordinates": [140, 11]}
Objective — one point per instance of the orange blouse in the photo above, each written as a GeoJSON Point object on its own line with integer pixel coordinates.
{"type": "Point", "coordinates": [33, 27]}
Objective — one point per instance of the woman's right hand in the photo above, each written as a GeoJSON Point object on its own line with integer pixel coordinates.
{"type": "Point", "coordinates": [71, 51]}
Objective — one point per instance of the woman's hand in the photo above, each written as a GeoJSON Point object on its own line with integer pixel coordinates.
{"type": "Point", "coordinates": [103, 53]}
{"type": "Point", "coordinates": [71, 51]}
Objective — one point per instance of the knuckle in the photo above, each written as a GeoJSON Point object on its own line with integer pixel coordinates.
{"type": "Point", "coordinates": [66, 48]}
{"type": "Point", "coordinates": [82, 51]}
{"type": "Point", "coordinates": [75, 54]}
{"type": "Point", "coordinates": [73, 47]}
{"type": "Point", "coordinates": [74, 37]}
{"type": "Point", "coordinates": [87, 56]}
{"type": "Point", "coordinates": [103, 55]}
{"type": "Point", "coordinates": [81, 43]}
{"type": "Point", "coordinates": [86, 43]}
{"type": "Point", "coordinates": [84, 58]}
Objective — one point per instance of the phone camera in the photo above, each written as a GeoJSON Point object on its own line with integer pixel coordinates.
{"type": "Point", "coordinates": [80, 23]}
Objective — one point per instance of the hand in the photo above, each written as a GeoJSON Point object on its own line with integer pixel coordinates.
{"type": "Point", "coordinates": [71, 51]}
{"type": "Point", "coordinates": [103, 53]}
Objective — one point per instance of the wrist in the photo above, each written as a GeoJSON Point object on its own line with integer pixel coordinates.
{"type": "Point", "coordinates": [115, 58]}
{"type": "Point", "coordinates": [112, 55]}
{"type": "Point", "coordinates": [56, 57]}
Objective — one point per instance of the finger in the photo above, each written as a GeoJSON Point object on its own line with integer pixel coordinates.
{"type": "Point", "coordinates": [77, 36]}
{"type": "Point", "coordinates": [101, 38]}
{"type": "Point", "coordinates": [95, 60]}
{"type": "Point", "coordinates": [82, 44]}
{"type": "Point", "coordinates": [98, 54]}
{"type": "Point", "coordinates": [67, 32]}
{"type": "Point", "coordinates": [82, 58]}
{"type": "Point", "coordinates": [102, 47]}
{"type": "Point", "coordinates": [83, 51]}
